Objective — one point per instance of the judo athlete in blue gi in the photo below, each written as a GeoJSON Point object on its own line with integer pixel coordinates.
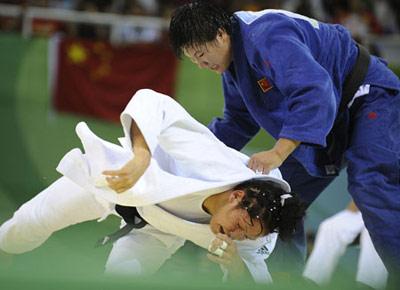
{"type": "Point", "coordinates": [328, 104]}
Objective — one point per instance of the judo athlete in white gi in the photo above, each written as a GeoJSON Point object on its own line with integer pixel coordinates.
{"type": "Point", "coordinates": [182, 180]}
{"type": "Point", "coordinates": [333, 236]}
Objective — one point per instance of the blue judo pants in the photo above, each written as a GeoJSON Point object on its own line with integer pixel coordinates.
{"type": "Point", "coordinates": [373, 169]}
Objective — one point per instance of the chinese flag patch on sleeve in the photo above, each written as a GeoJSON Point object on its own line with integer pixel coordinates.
{"type": "Point", "coordinates": [264, 84]}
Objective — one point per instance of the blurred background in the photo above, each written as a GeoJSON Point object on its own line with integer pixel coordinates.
{"type": "Point", "coordinates": [70, 60]}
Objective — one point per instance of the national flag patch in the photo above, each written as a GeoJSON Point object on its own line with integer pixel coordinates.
{"type": "Point", "coordinates": [264, 84]}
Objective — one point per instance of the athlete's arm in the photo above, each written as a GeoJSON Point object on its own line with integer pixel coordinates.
{"type": "Point", "coordinates": [126, 177]}
{"type": "Point", "coordinates": [265, 161]}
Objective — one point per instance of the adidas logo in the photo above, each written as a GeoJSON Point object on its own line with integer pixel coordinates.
{"type": "Point", "coordinates": [263, 251]}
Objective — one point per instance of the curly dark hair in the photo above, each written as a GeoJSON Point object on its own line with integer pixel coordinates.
{"type": "Point", "coordinates": [197, 23]}
{"type": "Point", "coordinates": [263, 201]}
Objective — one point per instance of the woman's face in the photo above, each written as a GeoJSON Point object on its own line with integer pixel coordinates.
{"type": "Point", "coordinates": [234, 221]}
{"type": "Point", "coordinates": [214, 55]}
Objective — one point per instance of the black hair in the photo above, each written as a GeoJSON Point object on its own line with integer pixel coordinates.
{"type": "Point", "coordinates": [197, 23]}
{"type": "Point", "coordinates": [263, 201]}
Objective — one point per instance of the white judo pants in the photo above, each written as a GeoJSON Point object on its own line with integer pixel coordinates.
{"type": "Point", "coordinates": [333, 236]}
{"type": "Point", "coordinates": [63, 203]}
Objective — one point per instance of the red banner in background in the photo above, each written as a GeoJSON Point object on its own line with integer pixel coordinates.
{"type": "Point", "coordinates": [96, 79]}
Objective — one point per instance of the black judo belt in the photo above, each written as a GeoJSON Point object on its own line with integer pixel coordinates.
{"type": "Point", "coordinates": [338, 137]}
{"type": "Point", "coordinates": [132, 219]}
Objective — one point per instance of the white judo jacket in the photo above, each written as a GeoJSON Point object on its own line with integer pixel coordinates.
{"type": "Point", "coordinates": [186, 158]}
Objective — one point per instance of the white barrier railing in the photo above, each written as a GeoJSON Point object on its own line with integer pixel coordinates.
{"type": "Point", "coordinates": [64, 15]}
{"type": "Point", "coordinates": [10, 10]}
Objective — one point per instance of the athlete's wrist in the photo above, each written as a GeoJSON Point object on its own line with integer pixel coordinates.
{"type": "Point", "coordinates": [284, 147]}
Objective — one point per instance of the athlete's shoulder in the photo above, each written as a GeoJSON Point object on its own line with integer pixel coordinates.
{"type": "Point", "coordinates": [252, 20]}
{"type": "Point", "coordinates": [272, 19]}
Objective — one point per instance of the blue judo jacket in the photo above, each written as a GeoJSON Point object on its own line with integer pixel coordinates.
{"type": "Point", "coordinates": [286, 77]}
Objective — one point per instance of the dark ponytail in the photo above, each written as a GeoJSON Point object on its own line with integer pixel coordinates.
{"type": "Point", "coordinates": [291, 213]}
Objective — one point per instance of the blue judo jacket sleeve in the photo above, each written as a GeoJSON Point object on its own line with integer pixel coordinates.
{"type": "Point", "coordinates": [281, 51]}
{"type": "Point", "coordinates": [237, 126]}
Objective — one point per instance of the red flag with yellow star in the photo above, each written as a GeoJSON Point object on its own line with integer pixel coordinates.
{"type": "Point", "coordinates": [96, 79]}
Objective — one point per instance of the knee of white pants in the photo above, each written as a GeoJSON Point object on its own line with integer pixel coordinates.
{"type": "Point", "coordinates": [139, 253]}
{"type": "Point", "coordinates": [329, 227]}
{"type": "Point", "coordinates": [127, 258]}
{"type": "Point", "coordinates": [344, 226]}
{"type": "Point", "coordinates": [126, 268]}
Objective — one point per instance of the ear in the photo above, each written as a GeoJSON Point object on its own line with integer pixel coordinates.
{"type": "Point", "coordinates": [188, 51]}
{"type": "Point", "coordinates": [236, 196]}
{"type": "Point", "coordinates": [221, 36]}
